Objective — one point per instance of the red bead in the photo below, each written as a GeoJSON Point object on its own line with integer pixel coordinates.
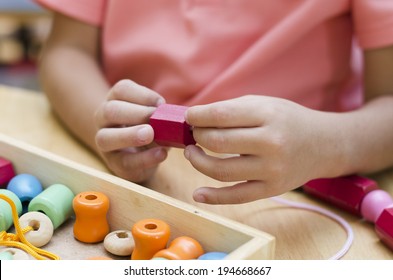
{"type": "Point", "coordinates": [384, 227]}
{"type": "Point", "coordinates": [345, 192]}
{"type": "Point", "coordinates": [170, 127]}
{"type": "Point", "coordinates": [6, 172]}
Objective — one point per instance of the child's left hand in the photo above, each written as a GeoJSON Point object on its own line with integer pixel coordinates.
{"type": "Point", "coordinates": [276, 146]}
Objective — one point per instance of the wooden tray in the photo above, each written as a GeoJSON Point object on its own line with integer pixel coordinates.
{"type": "Point", "coordinates": [129, 203]}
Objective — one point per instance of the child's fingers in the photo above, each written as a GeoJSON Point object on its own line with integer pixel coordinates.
{"type": "Point", "coordinates": [129, 91]}
{"type": "Point", "coordinates": [115, 112]}
{"type": "Point", "coordinates": [239, 112]}
{"type": "Point", "coordinates": [112, 139]}
{"type": "Point", "coordinates": [233, 140]}
{"type": "Point", "coordinates": [236, 194]}
{"type": "Point", "coordinates": [136, 166]}
{"type": "Point", "coordinates": [230, 169]}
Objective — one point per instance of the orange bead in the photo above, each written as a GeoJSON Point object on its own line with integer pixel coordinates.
{"type": "Point", "coordinates": [150, 236]}
{"type": "Point", "coordinates": [99, 258]}
{"type": "Point", "coordinates": [91, 225]}
{"type": "Point", "coordinates": [181, 248]}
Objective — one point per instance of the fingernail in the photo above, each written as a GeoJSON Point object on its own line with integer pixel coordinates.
{"type": "Point", "coordinates": [143, 134]}
{"type": "Point", "coordinates": [160, 101]}
{"type": "Point", "coordinates": [159, 153]}
{"type": "Point", "coordinates": [186, 153]}
{"type": "Point", "coordinates": [200, 198]}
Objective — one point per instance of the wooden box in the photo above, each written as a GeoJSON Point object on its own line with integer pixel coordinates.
{"type": "Point", "coordinates": [129, 203]}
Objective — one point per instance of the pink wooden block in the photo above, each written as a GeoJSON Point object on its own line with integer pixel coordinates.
{"type": "Point", "coordinates": [345, 192]}
{"type": "Point", "coordinates": [6, 172]}
{"type": "Point", "coordinates": [170, 127]}
{"type": "Point", "coordinates": [384, 227]}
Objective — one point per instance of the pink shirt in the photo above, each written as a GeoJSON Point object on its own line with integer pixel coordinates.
{"type": "Point", "coordinates": [201, 51]}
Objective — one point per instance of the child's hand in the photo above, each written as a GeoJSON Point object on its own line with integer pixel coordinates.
{"type": "Point", "coordinates": [276, 146]}
{"type": "Point", "coordinates": [124, 139]}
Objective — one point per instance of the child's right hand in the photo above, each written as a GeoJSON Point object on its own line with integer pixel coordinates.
{"type": "Point", "coordinates": [124, 138]}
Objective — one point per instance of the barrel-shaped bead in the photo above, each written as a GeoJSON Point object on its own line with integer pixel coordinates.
{"type": "Point", "coordinates": [150, 236]}
{"type": "Point", "coordinates": [6, 220]}
{"type": "Point", "coordinates": [91, 208]}
{"type": "Point", "coordinates": [55, 202]}
{"type": "Point", "coordinates": [181, 248]}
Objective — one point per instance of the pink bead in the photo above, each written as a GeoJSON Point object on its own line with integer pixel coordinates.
{"type": "Point", "coordinates": [170, 127]}
{"type": "Point", "coordinates": [6, 172]}
{"type": "Point", "coordinates": [345, 192]}
{"type": "Point", "coordinates": [384, 227]}
{"type": "Point", "coordinates": [374, 203]}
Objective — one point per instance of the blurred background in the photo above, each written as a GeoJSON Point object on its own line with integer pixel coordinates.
{"type": "Point", "coordinates": [24, 27]}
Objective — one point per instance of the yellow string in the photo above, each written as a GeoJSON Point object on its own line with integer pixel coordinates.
{"type": "Point", "coordinates": [19, 240]}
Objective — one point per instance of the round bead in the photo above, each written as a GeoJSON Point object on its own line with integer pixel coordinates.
{"type": "Point", "coordinates": [6, 220]}
{"type": "Point", "coordinates": [17, 254]}
{"type": "Point", "coordinates": [213, 256]}
{"type": "Point", "coordinates": [55, 202]}
{"type": "Point", "coordinates": [119, 243]}
{"type": "Point", "coordinates": [42, 228]}
{"type": "Point", "coordinates": [6, 256]}
{"type": "Point", "coordinates": [374, 203]}
{"type": "Point", "coordinates": [26, 187]}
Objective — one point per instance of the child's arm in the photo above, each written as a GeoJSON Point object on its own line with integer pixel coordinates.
{"type": "Point", "coordinates": [283, 145]}
{"type": "Point", "coordinates": [71, 76]}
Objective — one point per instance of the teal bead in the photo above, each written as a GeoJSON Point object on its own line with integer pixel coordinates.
{"type": "Point", "coordinates": [6, 220]}
{"type": "Point", "coordinates": [55, 202]}
{"type": "Point", "coordinates": [6, 256]}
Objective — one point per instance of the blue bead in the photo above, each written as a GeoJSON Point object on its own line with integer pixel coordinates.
{"type": "Point", "coordinates": [213, 256]}
{"type": "Point", "coordinates": [26, 187]}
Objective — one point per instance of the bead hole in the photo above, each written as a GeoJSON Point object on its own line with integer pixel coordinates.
{"type": "Point", "coordinates": [91, 197]}
{"type": "Point", "coordinates": [151, 226]}
{"type": "Point", "coordinates": [35, 225]}
{"type": "Point", "coordinates": [122, 234]}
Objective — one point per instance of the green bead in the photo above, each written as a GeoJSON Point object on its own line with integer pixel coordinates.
{"type": "Point", "coordinates": [55, 202]}
{"type": "Point", "coordinates": [6, 220]}
{"type": "Point", "coordinates": [4, 256]}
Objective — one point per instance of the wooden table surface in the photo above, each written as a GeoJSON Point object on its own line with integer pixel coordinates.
{"type": "Point", "coordinates": [300, 234]}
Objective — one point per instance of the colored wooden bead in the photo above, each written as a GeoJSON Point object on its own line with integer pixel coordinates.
{"type": "Point", "coordinates": [213, 256]}
{"type": "Point", "coordinates": [119, 243]}
{"type": "Point", "coordinates": [17, 254]}
{"type": "Point", "coordinates": [170, 127]}
{"type": "Point", "coordinates": [26, 187]}
{"type": "Point", "coordinates": [91, 225]}
{"type": "Point", "coordinates": [6, 256]}
{"type": "Point", "coordinates": [384, 227]}
{"type": "Point", "coordinates": [42, 228]}
{"type": "Point", "coordinates": [150, 236]}
{"type": "Point", "coordinates": [374, 203]}
{"type": "Point", "coordinates": [7, 172]}
{"type": "Point", "coordinates": [99, 258]}
{"type": "Point", "coordinates": [6, 220]}
{"type": "Point", "coordinates": [345, 192]}
{"type": "Point", "coordinates": [55, 202]}
{"type": "Point", "coordinates": [181, 248]}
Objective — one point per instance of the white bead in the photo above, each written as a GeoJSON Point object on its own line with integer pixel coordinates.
{"type": "Point", "coordinates": [119, 242]}
{"type": "Point", "coordinates": [17, 254]}
{"type": "Point", "coordinates": [42, 228]}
